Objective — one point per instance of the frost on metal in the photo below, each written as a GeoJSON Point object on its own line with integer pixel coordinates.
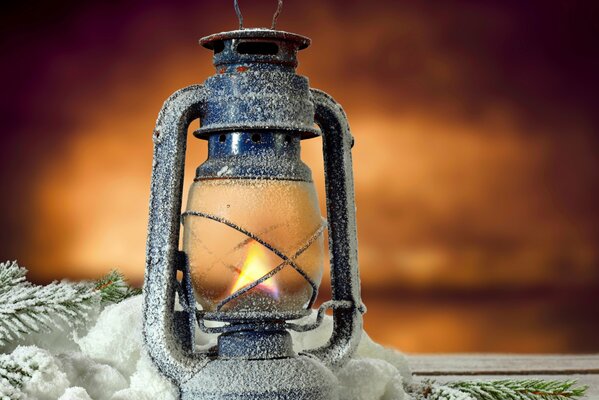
{"type": "Point", "coordinates": [343, 245]}
{"type": "Point", "coordinates": [163, 234]}
{"type": "Point", "coordinates": [255, 90]}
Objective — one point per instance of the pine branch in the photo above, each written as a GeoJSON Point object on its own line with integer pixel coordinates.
{"type": "Point", "coordinates": [11, 275]}
{"type": "Point", "coordinates": [529, 389]}
{"type": "Point", "coordinates": [521, 389]}
{"type": "Point", "coordinates": [13, 375]}
{"type": "Point", "coordinates": [19, 367]}
{"type": "Point", "coordinates": [113, 288]}
{"type": "Point", "coordinates": [431, 390]}
{"type": "Point", "coordinates": [27, 308]}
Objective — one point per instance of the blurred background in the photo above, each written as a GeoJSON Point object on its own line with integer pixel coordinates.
{"type": "Point", "coordinates": [476, 158]}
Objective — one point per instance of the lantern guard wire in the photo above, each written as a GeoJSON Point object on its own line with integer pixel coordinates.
{"type": "Point", "coordinates": [275, 270]}
{"type": "Point", "coordinates": [286, 260]}
{"type": "Point", "coordinates": [275, 17]}
{"type": "Point", "coordinates": [327, 305]}
{"type": "Point", "coordinates": [252, 323]}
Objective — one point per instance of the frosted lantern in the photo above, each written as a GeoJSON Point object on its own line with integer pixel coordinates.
{"type": "Point", "coordinates": [252, 255]}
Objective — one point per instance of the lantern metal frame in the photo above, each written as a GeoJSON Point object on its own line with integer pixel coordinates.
{"type": "Point", "coordinates": [252, 92]}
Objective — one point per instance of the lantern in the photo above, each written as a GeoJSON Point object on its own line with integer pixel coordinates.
{"type": "Point", "coordinates": [252, 254]}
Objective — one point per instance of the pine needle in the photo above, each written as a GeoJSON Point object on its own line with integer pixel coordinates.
{"type": "Point", "coordinates": [521, 389]}
{"type": "Point", "coordinates": [527, 389]}
{"type": "Point", "coordinates": [27, 308]}
{"type": "Point", "coordinates": [16, 369]}
{"type": "Point", "coordinates": [12, 377]}
{"type": "Point", "coordinates": [114, 288]}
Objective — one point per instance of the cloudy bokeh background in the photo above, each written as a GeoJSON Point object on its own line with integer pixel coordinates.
{"type": "Point", "coordinates": [476, 158]}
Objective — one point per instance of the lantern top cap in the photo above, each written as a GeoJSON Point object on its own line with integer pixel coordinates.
{"type": "Point", "coordinates": [301, 42]}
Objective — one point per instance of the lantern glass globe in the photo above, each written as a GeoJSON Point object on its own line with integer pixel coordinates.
{"type": "Point", "coordinates": [222, 260]}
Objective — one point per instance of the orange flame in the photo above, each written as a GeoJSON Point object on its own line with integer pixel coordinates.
{"type": "Point", "coordinates": [254, 267]}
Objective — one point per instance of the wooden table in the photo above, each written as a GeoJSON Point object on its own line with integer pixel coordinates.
{"type": "Point", "coordinates": [583, 368]}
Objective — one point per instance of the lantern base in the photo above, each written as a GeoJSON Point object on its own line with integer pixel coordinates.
{"type": "Point", "coordinates": [255, 345]}
{"type": "Point", "coordinates": [294, 378]}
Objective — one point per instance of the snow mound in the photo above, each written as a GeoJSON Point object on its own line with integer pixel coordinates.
{"type": "Point", "coordinates": [369, 379]}
{"type": "Point", "coordinates": [111, 364]}
{"type": "Point", "coordinates": [47, 381]}
{"type": "Point", "coordinates": [116, 337]}
{"type": "Point", "coordinates": [75, 393]}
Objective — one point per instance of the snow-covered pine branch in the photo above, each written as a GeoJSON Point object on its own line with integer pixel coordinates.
{"type": "Point", "coordinates": [11, 275]}
{"type": "Point", "coordinates": [27, 308]}
{"type": "Point", "coordinates": [114, 288]}
{"type": "Point", "coordinates": [527, 389]}
{"type": "Point", "coordinates": [431, 390]}
{"type": "Point", "coordinates": [18, 368]}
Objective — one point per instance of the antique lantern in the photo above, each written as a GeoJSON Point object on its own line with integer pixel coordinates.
{"type": "Point", "coordinates": [252, 256]}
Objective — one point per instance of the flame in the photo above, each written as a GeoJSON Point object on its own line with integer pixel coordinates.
{"type": "Point", "coordinates": [254, 267]}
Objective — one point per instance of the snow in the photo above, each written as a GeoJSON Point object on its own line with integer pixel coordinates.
{"type": "Point", "coordinates": [109, 363]}
{"type": "Point", "coordinates": [48, 381]}
{"type": "Point", "coordinates": [116, 337]}
{"type": "Point", "coordinates": [75, 393]}
{"type": "Point", "coordinates": [368, 379]}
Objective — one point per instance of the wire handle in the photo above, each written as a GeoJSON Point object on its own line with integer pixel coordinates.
{"type": "Point", "coordinates": [275, 17]}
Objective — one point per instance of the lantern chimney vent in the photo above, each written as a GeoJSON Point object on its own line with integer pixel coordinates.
{"type": "Point", "coordinates": [256, 87]}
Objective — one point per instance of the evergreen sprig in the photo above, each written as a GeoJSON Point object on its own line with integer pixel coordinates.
{"type": "Point", "coordinates": [26, 308]}
{"type": "Point", "coordinates": [11, 275]}
{"type": "Point", "coordinates": [12, 377]}
{"type": "Point", "coordinates": [15, 370]}
{"type": "Point", "coordinates": [114, 288]}
{"type": "Point", "coordinates": [527, 389]}
{"type": "Point", "coordinates": [521, 389]}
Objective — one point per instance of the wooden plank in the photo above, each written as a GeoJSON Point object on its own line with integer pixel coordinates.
{"type": "Point", "coordinates": [503, 364]}
{"type": "Point", "coordinates": [591, 380]}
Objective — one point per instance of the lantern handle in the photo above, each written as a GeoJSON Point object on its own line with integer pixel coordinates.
{"type": "Point", "coordinates": [162, 254]}
{"type": "Point", "coordinates": [343, 247]}
{"type": "Point", "coordinates": [275, 17]}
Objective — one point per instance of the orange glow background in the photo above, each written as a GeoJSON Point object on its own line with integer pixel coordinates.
{"type": "Point", "coordinates": [476, 163]}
